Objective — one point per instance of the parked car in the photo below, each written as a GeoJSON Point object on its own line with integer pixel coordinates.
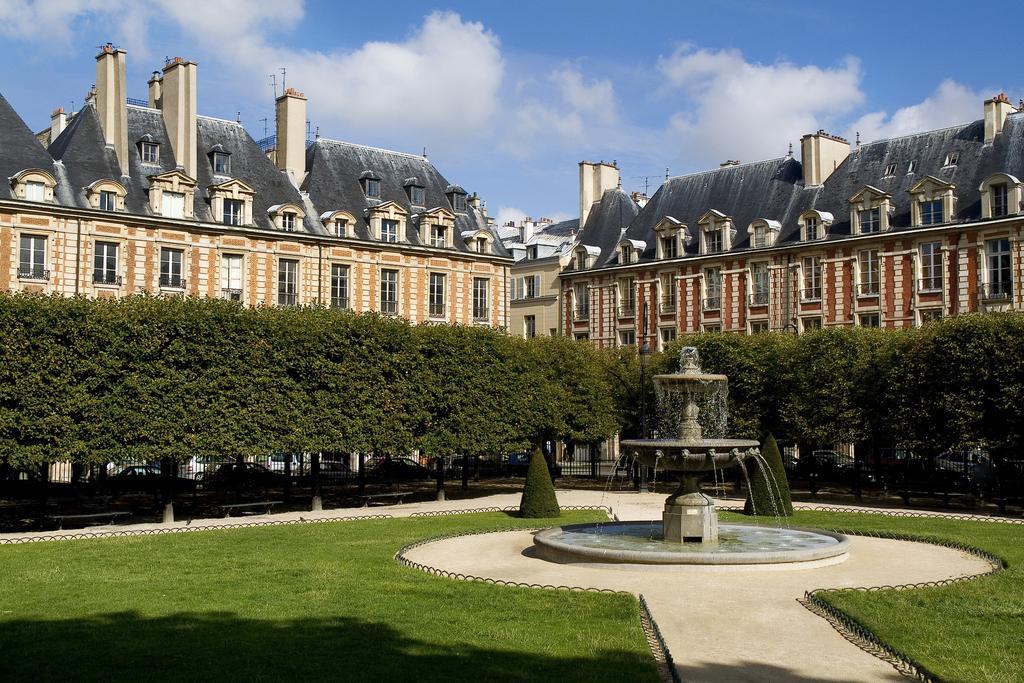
{"type": "Point", "coordinates": [517, 465]}
{"type": "Point", "coordinates": [146, 478]}
{"type": "Point", "coordinates": [299, 463]}
{"type": "Point", "coordinates": [396, 469]}
{"type": "Point", "coordinates": [965, 467]}
{"type": "Point", "coordinates": [244, 475]}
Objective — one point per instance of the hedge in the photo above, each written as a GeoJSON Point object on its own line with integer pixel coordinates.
{"type": "Point", "coordinates": [143, 378]}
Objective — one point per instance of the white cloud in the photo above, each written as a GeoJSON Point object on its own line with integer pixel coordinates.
{"type": "Point", "coordinates": [596, 97]}
{"type": "Point", "coordinates": [746, 110]}
{"type": "Point", "coordinates": [29, 20]}
{"type": "Point", "coordinates": [509, 214]}
{"type": "Point", "coordinates": [950, 104]}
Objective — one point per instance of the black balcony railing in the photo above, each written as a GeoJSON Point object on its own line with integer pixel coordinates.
{"type": "Point", "coordinates": [232, 294]}
{"type": "Point", "coordinates": [436, 310]}
{"type": "Point", "coordinates": [389, 307]}
{"type": "Point", "coordinates": [627, 308]}
{"type": "Point", "coordinates": [582, 312]}
{"type": "Point", "coordinates": [100, 277]}
{"type": "Point", "coordinates": [867, 289]}
{"type": "Point", "coordinates": [481, 314]}
{"type": "Point", "coordinates": [997, 291]}
{"type": "Point", "coordinates": [712, 303]}
{"type": "Point", "coordinates": [930, 284]}
{"type": "Point", "coordinates": [287, 299]}
{"type": "Point", "coordinates": [810, 294]}
{"type": "Point", "coordinates": [172, 281]}
{"type": "Point", "coordinates": [34, 273]}
{"type": "Point", "coordinates": [759, 299]}
{"type": "Point", "coordinates": [339, 302]}
{"type": "Point", "coordinates": [668, 304]}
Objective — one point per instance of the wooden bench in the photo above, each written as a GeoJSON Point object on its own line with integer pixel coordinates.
{"type": "Point", "coordinates": [397, 496]}
{"type": "Point", "coordinates": [265, 504]}
{"type": "Point", "coordinates": [108, 515]}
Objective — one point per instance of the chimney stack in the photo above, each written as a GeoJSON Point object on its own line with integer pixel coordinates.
{"type": "Point", "coordinates": [155, 84]}
{"type": "Point", "coordinates": [111, 101]}
{"type": "Point", "coordinates": [290, 116]}
{"type": "Point", "coordinates": [178, 103]}
{"type": "Point", "coordinates": [996, 111]}
{"type": "Point", "coordinates": [58, 122]}
{"type": "Point", "coordinates": [595, 179]}
{"type": "Point", "coordinates": [820, 155]}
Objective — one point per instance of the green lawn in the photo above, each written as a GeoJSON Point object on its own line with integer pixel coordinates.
{"type": "Point", "coordinates": [971, 631]}
{"type": "Point", "coordinates": [301, 602]}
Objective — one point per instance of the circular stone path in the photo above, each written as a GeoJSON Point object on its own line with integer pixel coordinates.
{"type": "Point", "coordinates": [735, 625]}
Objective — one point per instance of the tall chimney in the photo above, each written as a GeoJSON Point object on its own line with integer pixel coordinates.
{"type": "Point", "coordinates": [155, 84]}
{"type": "Point", "coordinates": [290, 115]}
{"type": "Point", "coordinates": [594, 180]}
{"type": "Point", "coordinates": [996, 111]}
{"type": "Point", "coordinates": [178, 103]}
{"type": "Point", "coordinates": [58, 122]}
{"type": "Point", "coordinates": [820, 155]}
{"type": "Point", "coordinates": [111, 101]}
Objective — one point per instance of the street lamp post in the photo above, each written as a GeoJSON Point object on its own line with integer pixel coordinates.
{"type": "Point", "coordinates": [645, 359]}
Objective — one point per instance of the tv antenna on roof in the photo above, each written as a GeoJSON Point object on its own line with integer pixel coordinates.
{"type": "Point", "coordinates": [273, 84]}
{"type": "Point", "coordinates": [284, 78]}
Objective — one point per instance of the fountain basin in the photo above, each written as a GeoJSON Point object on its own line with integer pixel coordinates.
{"type": "Point", "coordinates": [642, 543]}
{"type": "Point", "coordinates": [690, 455]}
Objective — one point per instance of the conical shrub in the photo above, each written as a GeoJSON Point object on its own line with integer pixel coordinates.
{"type": "Point", "coordinates": [539, 494]}
{"type": "Point", "coordinates": [769, 494]}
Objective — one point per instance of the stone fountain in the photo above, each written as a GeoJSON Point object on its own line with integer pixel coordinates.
{"type": "Point", "coordinates": [689, 533]}
{"type": "Point", "coordinates": [689, 515]}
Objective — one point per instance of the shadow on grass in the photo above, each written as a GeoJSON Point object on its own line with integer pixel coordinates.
{"type": "Point", "coordinates": [128, 646]}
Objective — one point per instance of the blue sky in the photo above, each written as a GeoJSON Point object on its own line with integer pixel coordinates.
{"type": "Point", "coordinates": [508, 96]}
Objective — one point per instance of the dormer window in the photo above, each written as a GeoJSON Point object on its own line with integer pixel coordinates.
{"type": "Point", "coordinates": [388, 231]}
{"type": "Point", "coordinates": [417, 195]}
{"type": "Point", "coordinates": [951, 159]}
{"type": "Point", "coordinates": [221, 163]}
{"type": "Point", "coordinates": [912, 166]}
{"type": "Point", "coordinates": [763, 232]}
{"type": "Point", "coordinates": [1000, 196]}
{"type": "Point", "coordinates": [668, 231]}
{"type": "Point", "coordinates": [581, 260]}
{"type": "Point", "coordinates": [869, 211]}
{"type": "Point", "coordinates": [234, 212]}
{"type": "Point", "coordinates": [388, 222]}
{"type": "Point", "coordinates": [149, 152]}
{"type": "Point", "coordinates": [481, 242]}
{"type": "Point", "coordinates": [172, 204]}
{"type": "Point", "coordinates": [531, 252]}
{"type": "Point", "coordinates": [716, 232]}
{"type": "Point", "coordinates": [814, 224]}
{"type": "Point", "coordinates": [869, 220]}
{"type": "Point", "coordinates": [34, 184]}
{"type": "Point", "coordinates": [231, 202]}
{"type": "Point", "coordinates": [932, 202]}
{"type": "Point", "coordinates": [457, 197]}
{"type": "Point", "coordinates": [669, 247]}
{"type": "Point", "coordinates": [890, 171]}
{"type": "Point", "coordinates": [337, 223]}
{"type": "Point", "coordinates": [370, 183]}
{"type": "Point", "coordinates": [287, 217]}
{"type": "Point", "coordinates": [625, 254]}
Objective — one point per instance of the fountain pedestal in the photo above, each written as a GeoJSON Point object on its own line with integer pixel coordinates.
{"type": "Point", "coordinates": [689, 516]}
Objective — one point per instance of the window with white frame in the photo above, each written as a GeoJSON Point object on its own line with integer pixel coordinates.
{"type": "Point", "coordinates": [912, 166]}
{"type": "Point", "coordinates": [530, 326]}
{"type": "Point", "coordinates": [341, 227]}
{"type": "Point", "coordinates": [999, 276]}
{"type": "Point", "coordinates": [713, 241]}
{"type": "Point", "coordinates": [759, 284]}
{"type": "Point", "coordinates": [371, 186]}
{"type": "Point", "coordinates": [669, 246]}
{"type": "Point", "coordinates": [712, 289]}
{"type": "Point", "coordinates": [531, 252]}
{"type": "Point", "coordinates": [221, 163]}
{"type": "Point", "coordinates": [951, 159]}
{"type": "Point", "coordinates": [481, 299]}
{"type": "Point", "coordinates": [435, 304]}
{"type": "Point", "coordinates": [760, 236]}
{"type": "Point", "coordinates": [890, 170]}
{"type": "Point", "coordinates": [287, 282]}
{"type": "Point", "coordinates": [668, 335]}
{"type": "Point", "coordinates": [581, 260]}
{"type": "Point", "coordinates": [627, 338]}
{"type": "Point", "coordinates": [388, 230]}
{"type": "Point", "coordinates": [171, 268]}
{"type": "Point", "coordinates": [812, 228]}
{"type": "Point", "coordinates": [389, 292]}
{"type": "Point", "coordinates": [150, 152]}
{"type": "Point", "coordinates": [417, 196]}
{"type": "Point", "coordinates": [231, 276]}
{"type": "Point", "coordinates": [759, 327]}
{"type": "Point", "coordinates": [869, 320]}
{"type": "Point", "coordinates": [234, 211]}
{"type": "Point", "coordinates": [868, 265]}
{"type": "Point", "coordinates": [459, 202]}
{"type": "Point", "coordinates": [339, 285]}
{"type": "Point", "coordinates": [108, 200]}
{"type": "Point", "coordinates": [932, 212]}
{"type": "Point", "coordinates": [927, 315]}
{"type": "Point", "coordinates": [625, 254]}
{"type": "Point", "coordinates": [869, 220]}
{"type": "Point", "coordinates": [999, 194]}
{"type": "Point", "coordinates": [104, 265]}
{"type": "Point", "coordinates": [931, 266]}
{"type": "Point", "coordinates": [812, 278]}
{"type": "Point", "coordinates": [172, 204]}
{"type": "Point", "coordinates": [581, 295]}
{"type": "Point", "coordinates": [35, 191]}
{"type": "Point", "coordinates": [481, 245]}
{"type": "Point", "coordinates": [627, 296]}
{"type": "Point", "coordinates": [667, 281]}
{"type": "Point", "coordinates": [811, 323]}
{"type": "Point", "coordinates": [438, 236]}
{"type": "Point", "coordinates": [288, 221]}
{"type": "Point", "coordinates": [32, 258]}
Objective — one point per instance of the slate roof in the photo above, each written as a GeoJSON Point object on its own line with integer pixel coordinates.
{"type": "Point", "coordinates": [774, 189]}
{"type": "Point", "coordinates": [563, 228]}
{"type": "Point", "coordinates": [19, 148]}
{"type": "Point", "coordinates": [334, 170]}
{"type": "Point", "coordinates": [606, 221]}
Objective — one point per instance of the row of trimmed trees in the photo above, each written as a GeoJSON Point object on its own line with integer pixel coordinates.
{"type": "Point", "coordinates": [142, 379]}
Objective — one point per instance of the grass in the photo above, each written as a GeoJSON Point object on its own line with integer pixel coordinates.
{"type": "Point", "coordinates": [304, 602]}
{"type": "Point", "coordinates": [970, 631]}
